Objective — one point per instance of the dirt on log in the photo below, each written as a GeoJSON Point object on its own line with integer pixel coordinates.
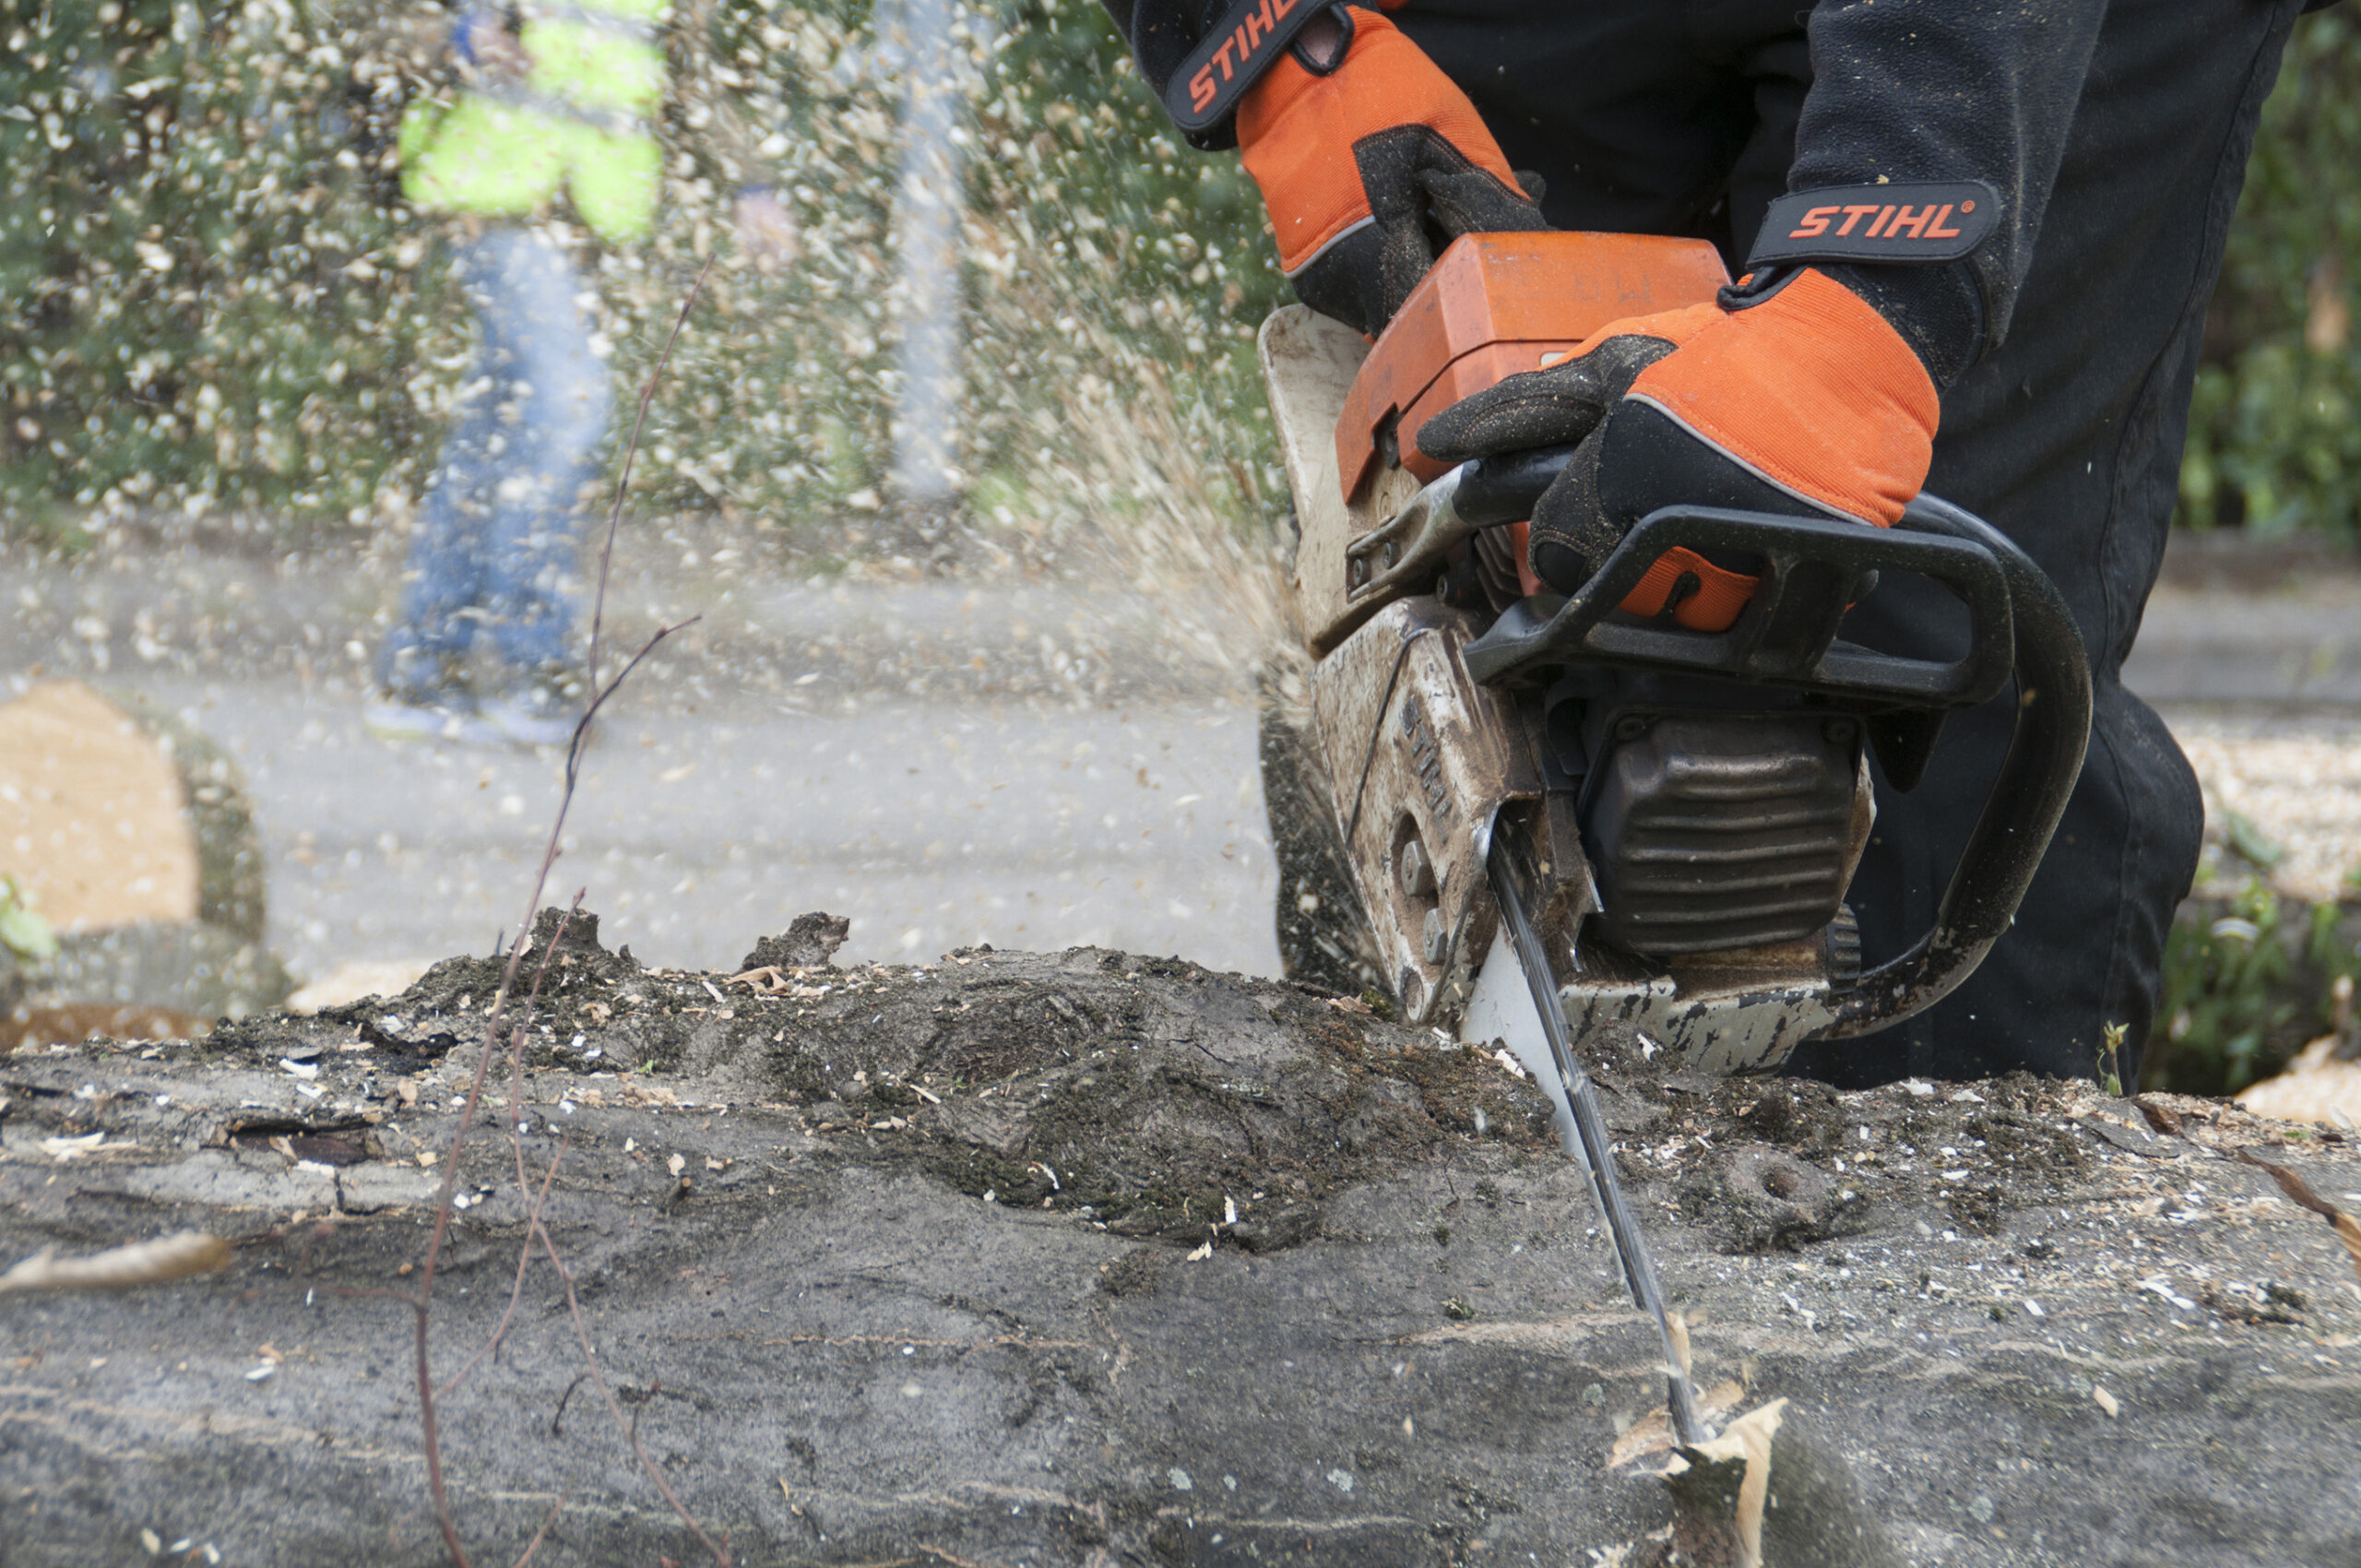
{"type": "Point", "coordinates": [1091, 1259]}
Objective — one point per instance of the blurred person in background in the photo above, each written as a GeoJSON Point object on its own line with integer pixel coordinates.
{"type": "Point", "coordinates": [556, 104]}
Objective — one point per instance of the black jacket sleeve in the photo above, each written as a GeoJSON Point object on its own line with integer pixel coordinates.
{"type": "Point", "coordinates": [1947, 89]}
{"type": "Point", "coordinates": [1161, 33]}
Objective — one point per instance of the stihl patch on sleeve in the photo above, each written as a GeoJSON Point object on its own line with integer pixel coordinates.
{"type": "Point", "coordinates": [1922, 220]}
{"type": "Point", "coordinates": [1247, 41]}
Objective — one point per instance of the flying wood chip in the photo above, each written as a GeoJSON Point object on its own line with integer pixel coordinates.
{"type": "Point", "coordinates": [181, 1256]}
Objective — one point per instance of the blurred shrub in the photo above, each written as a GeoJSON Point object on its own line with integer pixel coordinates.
{"type": "Point", "coordinates": [1119, 280]}
{"type": "Point", "coordinates": [211, 297]}
{"type": "Point", "coordinates": [201, 299]}
{"type": "Point", "coordinates": [2248, 982]}
{"type": "Point", "coordinates": [2273, 443]}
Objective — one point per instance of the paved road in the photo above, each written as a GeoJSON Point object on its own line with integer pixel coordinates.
{"type": "Point", "coordinates": [930, 823]}
{"type": "Point", "coordinates": [1020, 764]}
{"type": "Point", "coordinates": [1013, 763]}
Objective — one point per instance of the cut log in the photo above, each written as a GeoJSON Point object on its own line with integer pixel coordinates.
{"type": "Point", "coordinates": [1090, 1260]}
{"type": "Point", "coordinates": [133, 835]}
{"type": "Point", "coordinates": [93, 820]}
{"type": "Point", "coordinates": [30, 1025]}
{"type": "Point", "coordinates": [2323, 1084]}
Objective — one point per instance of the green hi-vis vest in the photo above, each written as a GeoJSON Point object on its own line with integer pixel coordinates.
{"type": "Point", "coordinates": [582, 121]}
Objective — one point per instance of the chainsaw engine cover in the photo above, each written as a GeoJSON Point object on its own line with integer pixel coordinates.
{"type": "Point", "coordinates": [1711, 832]}
{"type": "Point", "coordinates": [1493, 305]}
{"type": "Point", "coordinates": [1349, 410]}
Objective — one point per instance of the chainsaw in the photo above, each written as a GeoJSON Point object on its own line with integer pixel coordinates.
{"type": "Point", "coordinates": [1559, 814]}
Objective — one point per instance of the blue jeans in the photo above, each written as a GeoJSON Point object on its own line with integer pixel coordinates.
{"type": "Point", "coordinates": [497, 534]}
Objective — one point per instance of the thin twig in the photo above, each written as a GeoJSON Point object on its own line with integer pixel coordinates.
{"type": "Point", "coordinates": [443, 1211]}
{"type": "Point", "coordinates": [428, 1419]}
{"type": "Point", "coordinates": [590, 1358]}
{"type": "Point", "coordinates": [598, 699]}
{"type": "Point", "coordinates": [423, 1303]}
{"type": "Point", "coordinates": [631, 454]}
{"type": "Point", "coordinates": [542, 1533]}
{"type": "Point", "coordinates": [557, 1416]}
{"type": "Point", "coordinates": [524, 1253]}
{"type": "Point", "coordinates": [516, 1146]}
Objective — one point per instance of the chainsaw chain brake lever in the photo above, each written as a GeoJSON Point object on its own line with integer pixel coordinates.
{"type": "Point", "coordinates": [1401, 555]}
{"type": "Point", "coordinates": [1505, 489]}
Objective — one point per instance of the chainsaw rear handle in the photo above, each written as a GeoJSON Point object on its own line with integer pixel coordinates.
{"type": "Point", "coordinates": [2020, 627]}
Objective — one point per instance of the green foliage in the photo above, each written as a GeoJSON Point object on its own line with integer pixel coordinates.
{"type": "Point", "coordinates": [198, 295]}
{"type": "Point", "coordinates": [2244, 989]}
{"type": "Point", "coordinates": [212, 298]}
{"type": "Point", "coordinates": [2110, 1076]}
{"type": "Point", "coordinates": [24, 936]}
{"type": "Point", "coordinates": [1131, 275]}
{"type": "Point", "coordinates": [2273, 440]}
{"type": "Point", "coordinates": [2250, 844]}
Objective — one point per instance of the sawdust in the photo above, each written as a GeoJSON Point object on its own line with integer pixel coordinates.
{"type": "Point", "coordinates": [1081, 1096]}
{"type": "Point", "coordinates": [29, 1024]}
{"type": "Point", "coordinates": [1084, 1098]}
{"type": "Point", "coordinates": [2299, 783]}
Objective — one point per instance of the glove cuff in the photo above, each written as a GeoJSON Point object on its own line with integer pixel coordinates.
{"type": "Point", "coordinates": [1918, 251]}
{"type": "Point", "coordinates": [1938, 311]}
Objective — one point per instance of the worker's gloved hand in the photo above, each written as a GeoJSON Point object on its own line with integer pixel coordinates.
{"type": "Point", "coordinates": [1369, 161]}
{"type": "Point", "coordinates": [1792, 395]}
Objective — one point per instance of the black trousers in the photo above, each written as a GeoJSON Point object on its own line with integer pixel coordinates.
{"type": "Point", "coordinates": [1670, 118]}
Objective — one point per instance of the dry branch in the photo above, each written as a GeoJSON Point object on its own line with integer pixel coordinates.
{"type": "Point", "coordinates": [423, 1303]}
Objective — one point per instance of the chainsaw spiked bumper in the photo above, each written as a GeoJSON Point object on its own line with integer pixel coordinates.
{"type": "Point", "coordinates": [1421, 760]}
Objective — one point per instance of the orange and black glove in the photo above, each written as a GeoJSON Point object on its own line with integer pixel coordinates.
{"type": "Point", "coordinates": [1370, 161]}
{"type": "Point", "coordinates": [1792, 394]}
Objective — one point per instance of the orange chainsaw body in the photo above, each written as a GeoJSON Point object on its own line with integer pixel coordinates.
{"type": "Point", "coordinates": [1496, 306]}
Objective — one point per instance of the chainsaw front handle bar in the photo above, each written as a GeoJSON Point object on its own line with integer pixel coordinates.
{"type": "Point", "coordinates": [1811, 570]}
{"type": "Point", "coordinates": [2027, 798]}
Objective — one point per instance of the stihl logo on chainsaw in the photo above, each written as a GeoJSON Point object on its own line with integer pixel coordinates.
{"type": "Point", "coordinates": [1420, 736]}
{"type": "Point", "coordinates": [1924, 221]}
{"type": "Point", "coordinates": [1233, 57]}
